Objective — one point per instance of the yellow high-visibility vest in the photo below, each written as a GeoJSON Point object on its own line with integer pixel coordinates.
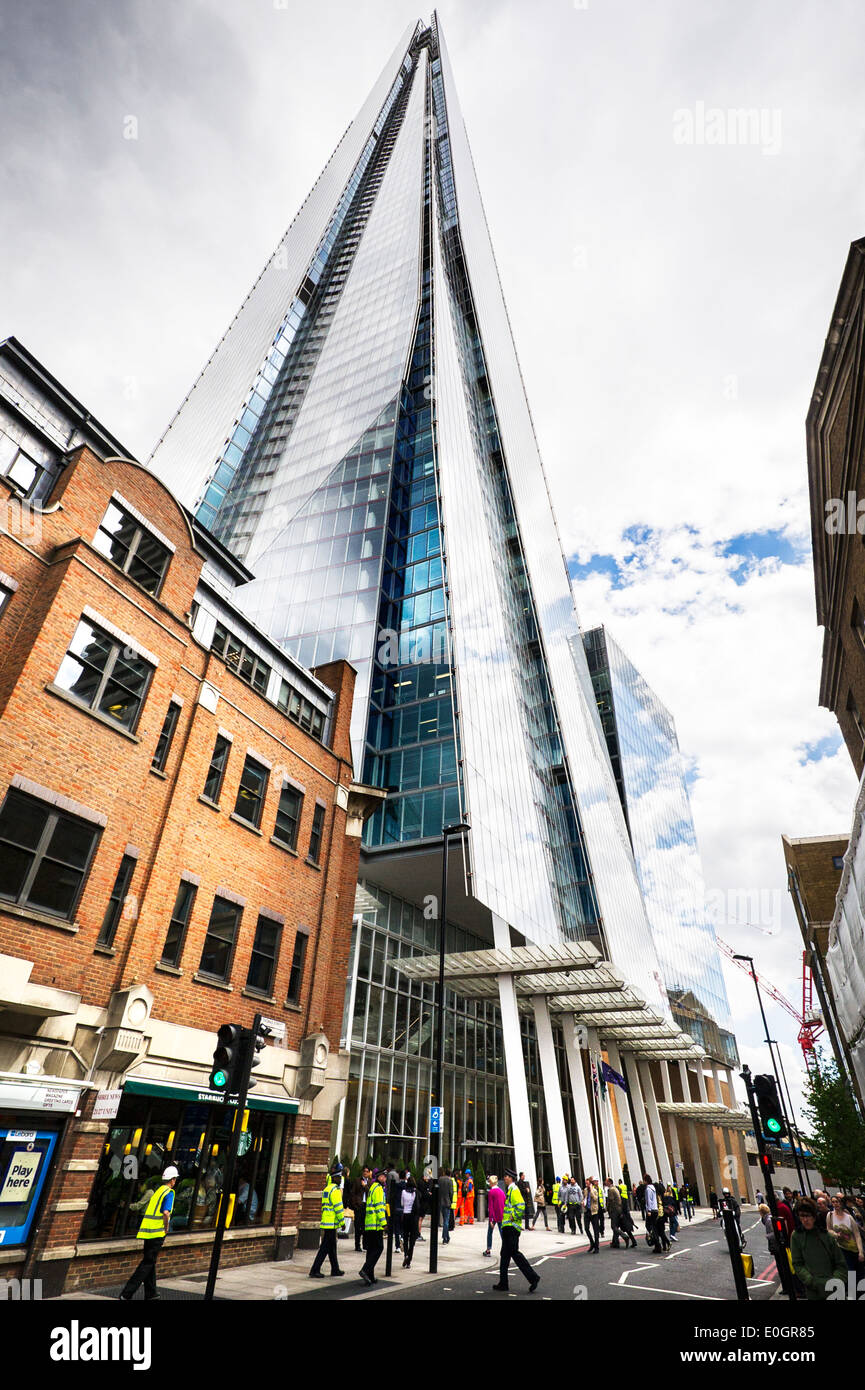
{"type": "Point", "coordinates": [332, 1212]}
{"type": "Point", "coordinates": [556, 1194]}
{"type": "Point", "coordinates": [152, 1226]}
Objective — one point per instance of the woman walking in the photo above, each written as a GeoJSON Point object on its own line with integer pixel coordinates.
{"type": "Point", "coordinates": [410, 1203]}
{"type": "Point", "coordinates": [845, 1229]}
{"type": "Point", "coordinates": [540, 1206]}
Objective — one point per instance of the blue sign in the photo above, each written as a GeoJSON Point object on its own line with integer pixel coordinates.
{"type": "Point", "coordinates": [436, 1119]}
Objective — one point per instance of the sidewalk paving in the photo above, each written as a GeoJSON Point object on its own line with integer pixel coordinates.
{"type": "Point", "coordinates": [283, 1279]}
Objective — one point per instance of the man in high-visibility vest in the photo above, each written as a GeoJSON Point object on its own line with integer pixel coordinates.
{"type": "Point", "coordinates": [512, 1224]}
{"type": "Point", "coordinates": [454, 1201]}
{"type": "Point", "coordinates": [623, 1189]}
{"type": "Point", "coordinates": [376, 1224]}
{"type": "Point", "coordinates": [332, 1220]}
{"type": "Point", "coordinates": [153, 1230]}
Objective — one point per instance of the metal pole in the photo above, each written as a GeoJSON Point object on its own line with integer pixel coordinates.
{"type": "Point", "coordinates": [222, 1217]}
{"type": "Point", "coordinates": [784, 1273]}
{"type": "Point", "coordinates": [438, 1092]}
{"type": "Point", "coordinates": [734, 1245]}
{"type": "Point", "coordinates": [768, 1040]}
{"type": "Point", "coordinates": [795, 1136]}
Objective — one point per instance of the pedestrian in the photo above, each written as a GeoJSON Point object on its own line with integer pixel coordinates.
{"type": "Point", "coordinates": [376, 1225]}
{"type": "Point", "coordinates": [541, 1206]}
{"type": "Point", "coordinates": [688, 1201]}
{"type": "Point", "coordinates": [445, 1197]}
{"type": "Point", "coordinates": [455, 1197]}
{"type": "Point", "coordinates": [841, 1225]}
{"type": "Point", "coordinates": [428, 1193]}
{"type": "Point", "coordinates": [410, 1207]}
{"type": "Point", "coordinates": [640, 1195]}
{"type": "Point", "coordinates": [395, 1189]}
{"type": "Point", "coordinates": [575, 1206]}
{"type": "Point", "coordinates": [614, 1208]}
{"type": "Point", "coordinates": [512, 1221]}
{"type": "Point", "coordinates": [728, 1203]}
{"type": "Point", "coordinates": [357, 1201]}
{"type": "Point", "coordinates": [668, 1205]}
{"type": "Point", "coordinates": [816, 1255]}
{"type": "Point", "coordinates": [468, 1216]}
{"type": "Point", "coordinates": [528, 1206]}
{"type": "Point", "coordinates": [626, 1226]}
{"type": "Point", "coordinates": [602, 1205]}
{"type": "Point", "coordinates": [495, 1210]}
{"type": "Point", "coordinates": [332, 1220]}
{"type": "Point", "coordinates": [153, 1230]}
{"type": "Point", "coordinates": [713, 1202]}
{"type": "Point", "coordinates": [623, 1193]}
{"type": "Point", "coordinates": [759, 1199]}
{"type": "Point", "coordinates": [557, 1187]}
{"type": "Point", "coordinates": [592, 1215]}
{"type": "Point", "coordinates": [654, 1228]}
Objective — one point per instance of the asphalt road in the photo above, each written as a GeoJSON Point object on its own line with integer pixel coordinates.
{"type": "Point", "coordinates": [697, 1268]}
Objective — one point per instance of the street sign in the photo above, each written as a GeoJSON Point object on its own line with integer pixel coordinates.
{"type": "Point", "coordinates": [277, 1030]}
{"type": "Point", "coordinates": [436, 1119]}
{"type": "Point", "coordinates": [106, 1105]}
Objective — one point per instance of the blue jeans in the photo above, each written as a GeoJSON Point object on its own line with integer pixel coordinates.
{"type": "Point", "coordinates": [490, 1225]}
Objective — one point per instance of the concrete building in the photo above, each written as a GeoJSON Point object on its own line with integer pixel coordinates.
{"type": "Point", "coordinates": [179, 841]}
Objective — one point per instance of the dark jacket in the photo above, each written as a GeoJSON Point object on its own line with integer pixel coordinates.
{"type": "Point", "coordinates": [529, 1199]}
{"type": "Point", "coordinates": [816, 1258]}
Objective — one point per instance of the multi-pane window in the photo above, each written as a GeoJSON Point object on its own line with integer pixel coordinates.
{"type": "Point", "coordinates": [216, 771]}
{"type": "Point", "coordinates": [17, 467]}
{"type": "Point", "coordinates": [173, 948]}
{"type": "Point", "coordinates": [300, 710]}
{"type": "Point", "coordinates": [105, 675]}
{"type": "Point", "coordinates": [295, 979]}
{"type": "Point", "coordinates": [163, 746]}
{"type": "Point", "coordinates": [265, 951]}
{"type": "Point", "coordinates": [45, 855]}
{"type": "Point", "coordinates": [315, 836]}
{"type": "Point", "coordinates": [219, 941]}
{"type": "Point", "coordinates": [238, 657]}
{"type": "Point", "coordinates": [288, 816]}
{"type": "Point", "coordinates": [251, 792]}
{"type": "Point", "coordinates": [117, 900]}
{"type": "Point", "coordinates": [133, 548]}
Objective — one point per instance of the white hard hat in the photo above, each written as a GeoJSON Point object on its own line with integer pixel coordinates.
{"type": "Point", "coordinates": [170, 1173]}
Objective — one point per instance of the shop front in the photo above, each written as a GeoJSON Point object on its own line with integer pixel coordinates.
{"type": "Point", "coordinates": [33, 1117]}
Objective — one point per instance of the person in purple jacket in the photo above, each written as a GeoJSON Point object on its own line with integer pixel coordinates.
{"type": "Point", "coordinates": [495, 1211]}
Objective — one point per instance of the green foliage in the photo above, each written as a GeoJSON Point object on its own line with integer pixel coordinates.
{"type": "Point", "coordinates": [355, 1170]}
{"type": "Point", "coordinates": [480, 1178]}
{"type": "Point", "coordinates": [837, 1130]}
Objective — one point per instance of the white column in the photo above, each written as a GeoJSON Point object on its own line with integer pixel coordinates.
{"type": "Point", "coordinates": [552, 1086]}
{"type": "Point", "coordinates": [650, 1163]}
{"type": "Point", "coordinates": [665, 1170]}
{"type": "Point", "coordinates": [674, 1132]}
{"type": "Point", "coordinates": [701, 1082]}
{"type": "Point", "coordinates": [610, 1145]}
{"type": "Point", "coordinates": [624, 1113]}
{"type": "Point", "coordinates": [582, 1109]}
{"type": "Point", "coordinates": [697, 1174]}
{"type": "Point", "coordinates": [515, 1072]}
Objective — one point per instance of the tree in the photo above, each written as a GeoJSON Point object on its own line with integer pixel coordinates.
{"type": "Point", "coordinates": [837, 1129]}
{"type": "Point", "coordinates": [355, 1170]}
{"type": "Point", "coordinates": [481, 1178]}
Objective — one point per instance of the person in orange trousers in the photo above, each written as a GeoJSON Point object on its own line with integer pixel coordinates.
{"type": "Point", "coordinates": [468, 1200]}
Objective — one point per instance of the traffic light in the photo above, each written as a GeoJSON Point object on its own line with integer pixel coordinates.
{"type": "Point", "coordinates": [772, 1121]}
{"type": "Point", "coordinates": [226, 1058]}
{"type": "Point", "coordinates": [767, 1167]}
{"type": "Point", "coordinates": [256, 1042]}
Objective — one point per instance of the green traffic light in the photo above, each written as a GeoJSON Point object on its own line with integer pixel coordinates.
{"type": "Point", "coordinates": [773, 1126]}
{"type": "Point", "coordinates": [220, 1079]}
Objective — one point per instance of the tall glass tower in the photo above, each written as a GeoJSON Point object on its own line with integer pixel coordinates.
{"type": "Point", "coordinates": [361, 438]}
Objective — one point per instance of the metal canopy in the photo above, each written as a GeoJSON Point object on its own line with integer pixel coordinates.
{"type": "Point", "coordinates": [707, 1114]}
{"type": "Point", "coordinates": [573, 979]}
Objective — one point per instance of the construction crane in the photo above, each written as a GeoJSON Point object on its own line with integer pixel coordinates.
{"type": "Point", "coordinates": [808, 1018]}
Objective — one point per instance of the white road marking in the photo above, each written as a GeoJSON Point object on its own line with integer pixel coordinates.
{"type": "Point", "coordinates": [636, 1270]}
{"type": "Point", "coordinates": [708, 1242]}
{"type": "Point", "coordinates": [676, 1293]}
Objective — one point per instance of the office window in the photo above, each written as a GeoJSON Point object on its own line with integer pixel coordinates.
{"type": "Point", "coordinates": [104, 675]}
{"type": "Point", "coordinates": [216, 771]}
{"type": "Point", "coordinates": [5, 595]}
{"type": "Point", "coordinates": [837, 861]}
{"type": "Point", "coordinates": [219, 942]}
{"type": "Point", "coordinates": [117, 900]}
{"type": "Point", "coordinates": [251, 792]}
{"type": "Point", "coordinates": [265, 953]}
{"type": "Point", "coordinates": [45, 855]}
{"type": "Point", "coordinates": [21, 470]}
{"type": "Point", "coordinates": [173, 948]}
{"type": "Point", "coordinates": [133, 548]}
{"type": "Point", "coordinates": [315, 837]}
{"type": "Point", "coordinates": [238, 658]}
{"type": "Point", "coordinates": [299, 710]}
{"type": "Point", "coordinates": [163, 746]}
{"type": "Point", "coordinates": [288, 816]}
{"type": "Point", "coordinates": [857, 622]}
{"type": "Point", "coordinates": [853, 711]}
{"type": "Point", "coordinates": [295, 979]}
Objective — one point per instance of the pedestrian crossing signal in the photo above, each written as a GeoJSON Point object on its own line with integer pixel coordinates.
{"type": "Point", "coordinates": [772, 1120]}
{"type": "Point", "coordinates": [226, 1058]}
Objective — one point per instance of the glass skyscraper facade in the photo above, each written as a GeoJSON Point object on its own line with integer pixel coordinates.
{"type": "Point", "coordinates": [361, 438]}
{"type": "Point", "coordinates": [650, 774]}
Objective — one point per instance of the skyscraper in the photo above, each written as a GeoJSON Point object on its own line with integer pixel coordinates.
{"type": "Point", "coordinates": [361, 439]}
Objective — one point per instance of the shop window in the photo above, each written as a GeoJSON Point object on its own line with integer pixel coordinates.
{"type": "Point", "coordinates": [163, 746]}
{"type": "Point", "coordinates": [173, 948]}
{"type": "Point", "coordinates": [45, 855]}
{"type": "Point", "coordinates": [218, 951]}
{"type": "Point", "coordinates": [216, 771]}
{"type": "Point", "coordinates": [105, 674]}
{"type": "Point", "coordinates": [150, 1133]}
{"type": "Point", "coordinates": [117, 901]}
{"type": "Point", "coordinates": [129, 544]}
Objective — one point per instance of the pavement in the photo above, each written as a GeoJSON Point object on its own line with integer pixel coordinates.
{"type": "Point", "coordinates": [284, 1279]}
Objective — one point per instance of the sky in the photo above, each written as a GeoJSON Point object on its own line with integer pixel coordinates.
{"type": "Point", "coordinates": [670, 274]}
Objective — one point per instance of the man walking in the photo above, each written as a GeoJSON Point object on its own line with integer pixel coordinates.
{"type": "Point", "coordinates": [332, 1220]}
{"type": "Point", "coordinates": [357, 1196]}
{"type": "Point", "coordinates": [153, 1230]}
{"type": "Point", "coordinates": [614, 1209]}
{"type": "Point", "coordinates": [526, 1192]}
{"type": "Point", "coordinates": [575, 1206]}
{"type": "Point", "coordinates": [495, 1211]}
{"type": "Point", "coordinates": [651, 1200]}
{"type": "Point", "coordinates": [445, 1197]}
{"type": "Point", "coordinates": [376, 1224]}
{"type": "Point", "coordinates": [512, 1221]}
{"type": "Point", "coordinates": [592, 1214]}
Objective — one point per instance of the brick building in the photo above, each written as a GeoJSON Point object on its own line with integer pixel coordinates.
{"type": "Point", "coordinates": [179, 842]}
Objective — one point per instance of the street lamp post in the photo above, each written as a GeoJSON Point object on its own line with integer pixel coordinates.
{"type": "Point", "coordinates": [436, 1138]}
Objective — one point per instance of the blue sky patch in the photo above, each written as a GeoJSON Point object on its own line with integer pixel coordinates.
{"type": "Point", "coordinates": [821, 748]}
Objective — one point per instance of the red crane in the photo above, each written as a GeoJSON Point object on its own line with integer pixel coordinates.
{"type": "Point", "coordinates": [809, 1020]}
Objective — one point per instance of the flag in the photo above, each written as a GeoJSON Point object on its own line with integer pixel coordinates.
{"type": "Point", "coordinates": [613, 1076]}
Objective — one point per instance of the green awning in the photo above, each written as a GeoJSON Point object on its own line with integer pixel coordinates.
{"type": "Point", "coordinates": [140, 1086]}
